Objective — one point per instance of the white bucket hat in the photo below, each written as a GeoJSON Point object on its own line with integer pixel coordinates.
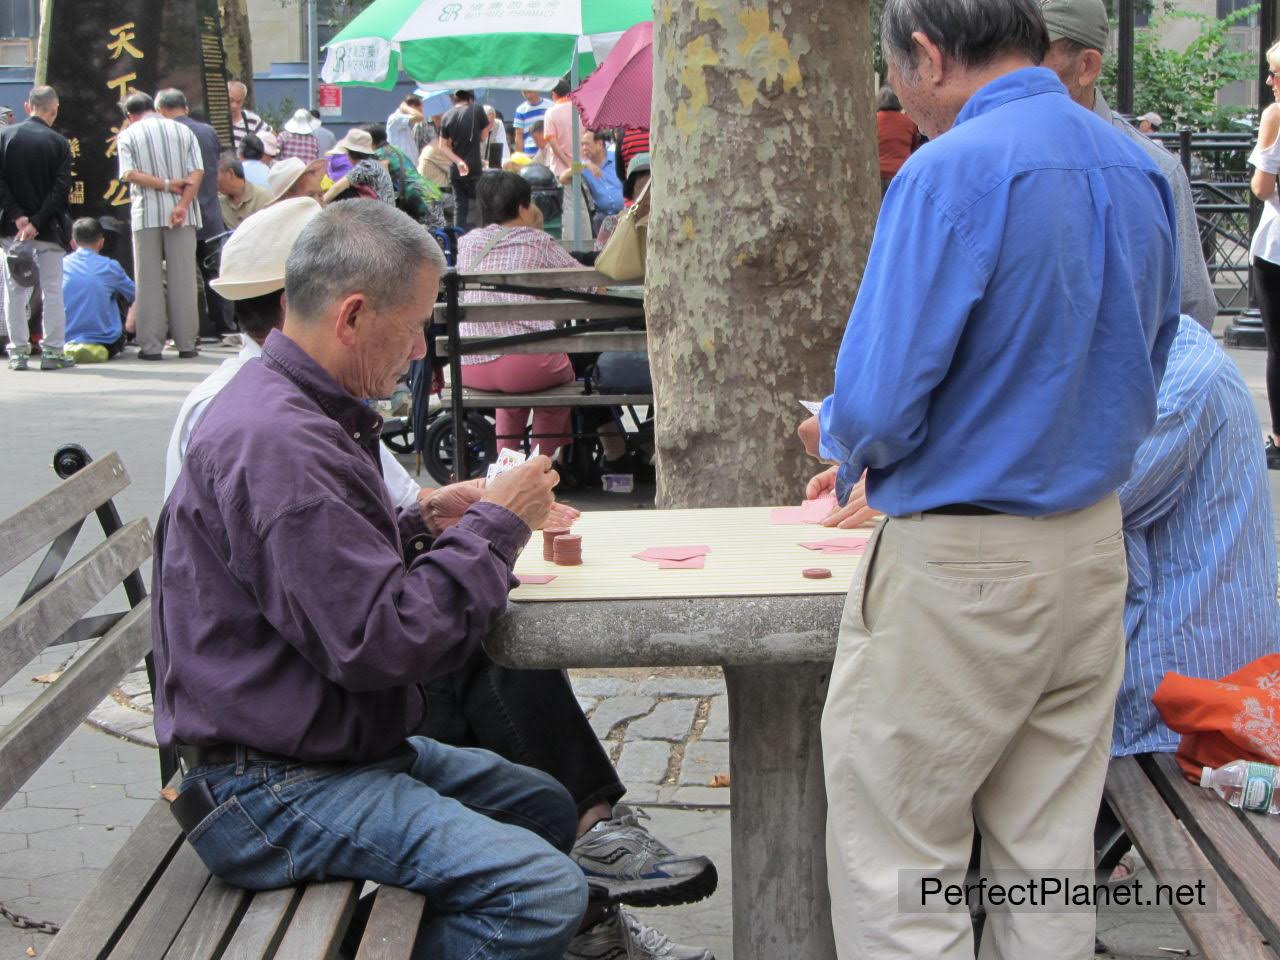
{"type": "Point", "coordinates": [302, 122]}
{"type": "Point", "coordinates": [283, 175]}
{"type": "Point", "coordinates": [270, 145]}
{"type": "Point", "coordinates": [253, 260]}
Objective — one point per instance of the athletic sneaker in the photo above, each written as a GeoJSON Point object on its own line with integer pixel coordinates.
{"type": "Point", "coordinates": [1273, 454]}
{"type": "Point", "coordinates": [18, 358]}
{"type": "Point", "coordinates": [52, 359]}
{"type": "Point", "coordinates": [620, 936]}
{"type": "Point", "coordinates": [625, 863]}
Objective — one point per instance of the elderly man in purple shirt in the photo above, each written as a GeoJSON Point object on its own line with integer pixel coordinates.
{"type": "Point", "coordinates": [295, 615]}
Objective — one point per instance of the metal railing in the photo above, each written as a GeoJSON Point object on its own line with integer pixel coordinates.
{"type": "Point", "coordinates": [1225, 207]}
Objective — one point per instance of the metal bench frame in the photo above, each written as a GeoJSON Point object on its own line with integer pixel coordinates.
{"type": "Point", "coordinates": [548, 284]}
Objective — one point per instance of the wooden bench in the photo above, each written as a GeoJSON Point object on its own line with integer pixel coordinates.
{"type": "Point", "coordinates": [1184, 831]}
{"type": "Point", "coordinates": [155, 899]}
{"type": "Point", "coordinates": [567, 295]}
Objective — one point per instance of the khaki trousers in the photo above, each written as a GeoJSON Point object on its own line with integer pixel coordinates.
{"type": "Point", "coordinates": [164, 265]}
{"type": "Point", "coordinates": [17, 298]}
{"type": "Point", "coordinates": [975, 679]}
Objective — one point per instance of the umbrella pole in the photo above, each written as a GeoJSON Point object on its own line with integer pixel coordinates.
{"type": "Point", "coordinates": [577, 241]}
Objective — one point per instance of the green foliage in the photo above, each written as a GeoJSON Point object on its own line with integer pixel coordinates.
{"type": "Point", "coordinates": [278, 112]}
{"type": "Point", "coordinates": [1183, 86]}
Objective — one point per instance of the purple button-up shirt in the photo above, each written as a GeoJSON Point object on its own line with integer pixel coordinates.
{"type": "Point", "coordinates": [284, 613]}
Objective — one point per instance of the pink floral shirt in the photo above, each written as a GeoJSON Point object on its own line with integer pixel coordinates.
{"type": "Point", "coordinates": [517, 248]}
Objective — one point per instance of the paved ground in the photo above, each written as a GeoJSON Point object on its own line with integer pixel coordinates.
{"type": "Point", "coordinates": [668, 733]}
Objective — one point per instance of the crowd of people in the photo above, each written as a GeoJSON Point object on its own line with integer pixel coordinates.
{"type": "Point", "coordinates": [188, 193]}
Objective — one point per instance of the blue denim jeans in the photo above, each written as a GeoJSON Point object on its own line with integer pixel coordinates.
{"type": "Point", "coordinates": [479, 837]}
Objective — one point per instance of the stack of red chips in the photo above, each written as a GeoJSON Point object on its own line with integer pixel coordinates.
{"type": "Point", "coordinates": [567, 550]}
{"type": "Point", "coordinates": [549, 539]}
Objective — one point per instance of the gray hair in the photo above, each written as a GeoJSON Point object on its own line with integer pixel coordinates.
{"type": "Point", "coordinates": [138, 103]}
{"type": "Point", "coordinates": [886, 99]}
{"type": "Point", "coordinates": [42, 99]}
{"type": "Point", "coordinates": [171, 99]}
{"type": "Point", "coordinates": [357, 246]}
{"type": "Point", "coordinates": [972, 32]}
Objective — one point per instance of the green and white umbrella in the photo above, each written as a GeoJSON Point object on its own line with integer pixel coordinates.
{"type": "Point", "coordinates": [506, 44]}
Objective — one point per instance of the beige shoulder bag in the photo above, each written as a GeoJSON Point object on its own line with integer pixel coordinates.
{"type": "Point", "coordinates": [623, 255]}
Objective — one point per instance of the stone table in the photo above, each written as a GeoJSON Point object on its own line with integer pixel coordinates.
{"type": "Point", "coordinates": [776, 651]}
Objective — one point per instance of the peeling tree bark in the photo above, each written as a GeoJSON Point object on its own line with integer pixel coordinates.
{"type": "Point", "coordinates": [237, 43]}
{"type": "Point", "coordinates": [765, 191]}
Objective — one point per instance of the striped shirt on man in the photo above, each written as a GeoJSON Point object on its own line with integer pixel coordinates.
{"type": "Point", "coordinates": [1199, 538]}
{"type": "Point", "coordinates": [164, 149]}
{"type": "Point", "coordinates": [527, 114]}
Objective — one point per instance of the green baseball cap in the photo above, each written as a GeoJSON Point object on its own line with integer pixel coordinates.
{"type": "Point", "coordinates": [1084, 21]}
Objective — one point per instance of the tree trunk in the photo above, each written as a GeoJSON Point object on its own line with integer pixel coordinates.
{"type": "Point", "coordinates": [237, 43]}
{"type": "Point", "coordinates": [765, 192]}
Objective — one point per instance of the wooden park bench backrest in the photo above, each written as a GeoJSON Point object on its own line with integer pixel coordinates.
{"type": "Point", "coordinates": [53, 610]}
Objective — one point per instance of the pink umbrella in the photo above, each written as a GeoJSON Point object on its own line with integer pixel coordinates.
{"type": "Point", "coordinates": [620, 92]}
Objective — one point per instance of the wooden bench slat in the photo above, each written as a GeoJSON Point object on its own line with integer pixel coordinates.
{"type": "Point", "coordinates": [48, 720]}
{"type": "Point", "coordinates": [1227, 841]}
{"type": "Point", "coordinates": [561, 277]}
{"type": "Point", "coordinates": [568, 395]}
{"type": "Point", "coordinates": [319, 923]}
{"type": "Point", "coordinates": [1267, 830]}
{"type": "Point", "coordinates": [34, 527]}
{"type": "Point", "coordinates": [98, 918]}
{"type": "Point", "coordinates": [1165, 846]}
{"type": "Point", "coordinates": [53, 610]}
{"type": "Point", "coordinates": [164, 912]}
{"type": "Point", "coordinates": [393, 925]}
{"type": "Point", "coordinates": [211, 922]}
{"type": "Point", "coordinates": [630, 340]}
{"type": "Point", "coordinates": [263, 925]}
{"type": "Point", "coordinates": [540, 310]}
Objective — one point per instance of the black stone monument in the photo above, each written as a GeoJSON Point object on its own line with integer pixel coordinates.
{"type": "Point", "coordinates": [95, 53]}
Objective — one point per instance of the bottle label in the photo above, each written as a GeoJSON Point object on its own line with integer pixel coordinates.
{"type": "Point", "coordinates": [1259, 786]}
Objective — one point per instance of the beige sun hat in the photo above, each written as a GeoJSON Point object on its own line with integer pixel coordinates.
{"type": "Point", "coordinates": [254, 258]}
{"type": "Point", "coordinates": [356, 141]}
{"type": "Point", "coordinates": [283, 175]}
{"type": "Point", "coordinates": [302, 122]}
{"type": "Point", "coordinates": [270, 145]}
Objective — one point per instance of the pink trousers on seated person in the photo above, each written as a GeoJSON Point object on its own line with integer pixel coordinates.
{"type": "Point", "coordinates": [526, 373]}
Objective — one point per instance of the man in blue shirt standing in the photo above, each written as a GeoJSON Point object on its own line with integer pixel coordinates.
{"type": "Point", "coordinates": [998, 373]}
{"type": "Point", "coordinates": [90, 285]}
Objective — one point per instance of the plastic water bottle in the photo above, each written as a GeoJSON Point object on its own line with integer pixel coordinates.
{"type": "Point", "coordinates": [1245, 785]}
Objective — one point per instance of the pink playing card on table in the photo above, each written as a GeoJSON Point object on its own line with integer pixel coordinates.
{"type": "Point", "coordinates": [535, 578]}
{"type": "Point", "coordinates": [672, 553]}
{"type": "Point", "coordinates": [811, 511]}
{"type": "Point", "coordinates": [693, 563]}
{"type": "Point", "coordinates": [854, 545]}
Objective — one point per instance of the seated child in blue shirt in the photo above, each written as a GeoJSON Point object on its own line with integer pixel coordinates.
{"type": "Point", "coordinates": [94, 288]}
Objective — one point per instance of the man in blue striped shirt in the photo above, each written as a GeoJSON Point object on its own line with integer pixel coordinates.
{"type": "Point", "coordinates": [1200, 538]}
{"type": "Point", "coordinates": [528, 113]}
{"type": "Point", "coordinates": [997, 376]}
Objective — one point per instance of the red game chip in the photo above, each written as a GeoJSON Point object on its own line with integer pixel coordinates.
{"type": "Point", "coordinates": [567, 550]}
{"type": "Point", "coordinates": [817, 573]}
{"type": "Point", "coordinates": [548, 541]}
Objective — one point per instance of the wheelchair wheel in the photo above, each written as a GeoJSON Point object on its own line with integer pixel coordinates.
{"type": "Point", "coordinates": [437, 447]}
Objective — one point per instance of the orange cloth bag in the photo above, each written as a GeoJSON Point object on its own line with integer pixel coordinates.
{"type": "Point", "coordinates": [1235, 718]}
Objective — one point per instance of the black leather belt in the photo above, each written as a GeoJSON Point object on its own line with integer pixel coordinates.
{"type": "Point", "coordinates": [193, 757]}
{"type": "Point", "coordinates": [962, 510]}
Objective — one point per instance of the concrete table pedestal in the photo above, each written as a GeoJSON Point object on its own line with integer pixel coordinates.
{"type": "Point", "coordinates": [776, 653]}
